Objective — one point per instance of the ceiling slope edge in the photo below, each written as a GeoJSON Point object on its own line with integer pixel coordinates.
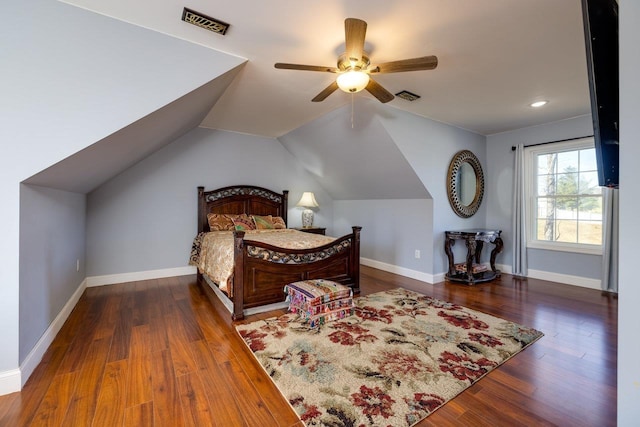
{"type": "Point", "coordinates": [87, 169]}
{"type": "Point", "coordinates": [353, 157]}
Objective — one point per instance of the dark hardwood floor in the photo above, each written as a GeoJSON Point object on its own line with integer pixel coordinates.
{"type": "Point", "coordinates": [158, 353]}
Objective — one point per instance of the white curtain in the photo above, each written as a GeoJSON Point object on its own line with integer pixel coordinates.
{"type": "Point", "coordinates": [610, 239]}
{"type": "Point", "coordinates": [519, 262]}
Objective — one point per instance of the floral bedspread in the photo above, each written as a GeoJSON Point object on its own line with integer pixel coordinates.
{"type": "Point", "coordinates": [212, 252]}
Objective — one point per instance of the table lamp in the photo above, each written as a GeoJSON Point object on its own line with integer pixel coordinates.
{"type": "Point", "coordinates": [307, 201]}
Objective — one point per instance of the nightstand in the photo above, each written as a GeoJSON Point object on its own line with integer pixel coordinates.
{"type": "Point", "coordinates": [314, 230]}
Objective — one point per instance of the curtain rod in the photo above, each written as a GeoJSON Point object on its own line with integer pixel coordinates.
{"type": "Point", "coordinates": [513, 147]}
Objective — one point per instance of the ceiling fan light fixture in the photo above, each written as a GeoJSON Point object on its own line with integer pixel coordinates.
{"type": "Point", "coordinates": [353, 81]}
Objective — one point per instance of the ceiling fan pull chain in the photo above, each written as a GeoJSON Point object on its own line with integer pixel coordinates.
{"type": "Point", "coordinates": [352, 102]}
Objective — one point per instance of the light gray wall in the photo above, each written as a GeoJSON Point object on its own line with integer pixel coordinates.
{"type": "Point", "coordinates": [52, 239]}
{"type": "Point", "coordinates": [145, 218]}
{"type": "Point", "coordinates": [392, 230]}
{"type": "Point", "coordinates": [500, 164]}
{"type": "Point", "coordinates": [629, 301]}
{"type": "Point", "coordinates": [118, 212]}
{"type": "Point", "coordinates": [74, 77]}
{"type": "Point", "coordinates": [429, 147]}
{"type": "Point", "coordinates": [389, 154]}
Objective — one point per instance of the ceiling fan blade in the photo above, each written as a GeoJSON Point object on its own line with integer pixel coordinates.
{"type": "Point", "coordinates": [354, 34]}
{"type": "Point", "coordinates": [326, 92]}
{"type": "Point", "coordinates": [378, 91]}
{"type": "Point", "coordinates": [284, 66]}
{"type": "Point", "coordinates": [413, 64]}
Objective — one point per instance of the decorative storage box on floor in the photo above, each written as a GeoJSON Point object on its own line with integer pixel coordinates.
{"type": "Point", "coordinates": [319, 300]}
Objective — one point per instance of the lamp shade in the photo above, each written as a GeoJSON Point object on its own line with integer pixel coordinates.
{"type": "Point", "coordinates": [308, 200]}
{"type": "Point", "coordinates": [353, 81]}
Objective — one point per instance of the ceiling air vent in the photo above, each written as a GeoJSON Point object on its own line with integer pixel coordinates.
{"type": "Point", "coordinates": [204, 21]}
{"type": "Point", "coordinates": [407, 96]}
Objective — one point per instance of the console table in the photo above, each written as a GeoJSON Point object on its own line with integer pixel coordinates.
{"type": "Point", "coordinates": [475, 240]}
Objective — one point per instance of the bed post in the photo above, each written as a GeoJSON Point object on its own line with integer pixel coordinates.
{"type": "Point", "coordinates": [202, 215]}
{"type": "Point", "coordinates": [238, 275]}
{"type": "Point", "coordinates": [355, 258]}
{"type": "Point", "coordinates": [200, 224]}
{"type": "Point", "coordinates": [285, 208]}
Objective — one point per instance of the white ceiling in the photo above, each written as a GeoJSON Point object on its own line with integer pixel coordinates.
{"type": "Point", "coordinates": [495, 57]}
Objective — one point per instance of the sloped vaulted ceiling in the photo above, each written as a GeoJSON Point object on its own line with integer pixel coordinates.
{"type": "Point", "coordinates": [103, 94]}
{"type": "Point", "coordinates": [352, 156]}
{"type": "Point", "coordinates": [87, 169]}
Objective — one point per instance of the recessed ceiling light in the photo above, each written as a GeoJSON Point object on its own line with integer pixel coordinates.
{"type": "Point", "coordinates": [539, 104]}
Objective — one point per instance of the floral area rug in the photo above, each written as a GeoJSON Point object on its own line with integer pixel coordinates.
{"type": "Point", "coordinates": [400, 357]}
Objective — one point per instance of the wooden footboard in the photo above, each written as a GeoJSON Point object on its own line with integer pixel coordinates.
{"type": "Point", "coordinates": [261, 271]}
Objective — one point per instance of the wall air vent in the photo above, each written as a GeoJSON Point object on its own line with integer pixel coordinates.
{"type": "Point", "coordinates": [407, 96]}
{"type": "Point", "coordinates": [204, 21]}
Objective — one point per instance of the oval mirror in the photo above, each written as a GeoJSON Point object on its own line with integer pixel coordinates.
{"type": "Point", "coordinates": [465, 183]}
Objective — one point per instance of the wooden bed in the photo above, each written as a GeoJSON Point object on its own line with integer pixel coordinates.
{"type": "Point", "coordinates": [261, 270]}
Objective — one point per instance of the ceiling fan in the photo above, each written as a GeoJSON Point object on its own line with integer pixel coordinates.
{"type": "Point", "coordinates": [353, 69]}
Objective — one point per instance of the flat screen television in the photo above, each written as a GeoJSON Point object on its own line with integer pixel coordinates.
{"type": "Point", "coordinates": [600, 19]}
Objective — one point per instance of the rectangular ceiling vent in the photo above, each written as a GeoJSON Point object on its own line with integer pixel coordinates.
{"type": "Point", "coordinates": [407, 96]}
{"type": "Point", "coordinates": [204, 21]}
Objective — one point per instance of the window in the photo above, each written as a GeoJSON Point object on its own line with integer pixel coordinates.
{"type": "Point", "coordinates": [565, 201]}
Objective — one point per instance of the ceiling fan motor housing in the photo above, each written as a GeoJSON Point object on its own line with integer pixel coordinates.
{"type": "Point", "coordinates": [345, 63]}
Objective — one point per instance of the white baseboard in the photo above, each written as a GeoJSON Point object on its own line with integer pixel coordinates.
{"type": "Point", "coordinates": [247, 311]}
{"type": "Point", "coordinates": [402, 271]}
{"type": "Point", "coordinates": [10, 381]}
{"type": "Point", "coordinates": [112, 279]}
{"type": "Point", "coordinates": [35, 355]}
{"type": "Point", "coordinates": [13, 380]}
{"type": "Point", "coordinates": [228, 304]}
{"type": "Point", "coordinates": [566, 279]}
{"type": "Point", "coordinates": [504, 268]}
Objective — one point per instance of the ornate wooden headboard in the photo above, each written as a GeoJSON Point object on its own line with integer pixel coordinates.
{"type": "Point", "coordinates": [239, 199]}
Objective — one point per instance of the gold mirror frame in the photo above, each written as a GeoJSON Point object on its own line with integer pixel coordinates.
{"type": "Point", "coordinates": [460, 158]}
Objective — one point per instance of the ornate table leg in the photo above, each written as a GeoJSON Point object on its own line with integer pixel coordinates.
{"type": "Point", "coordinates": [496, 250]}
{"type": "Point", "coordinates": [471, 251]}
{"type": "Point", "coordinates": [479, 246]}
{"type": "Point", "coordinates": [447, 249]}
